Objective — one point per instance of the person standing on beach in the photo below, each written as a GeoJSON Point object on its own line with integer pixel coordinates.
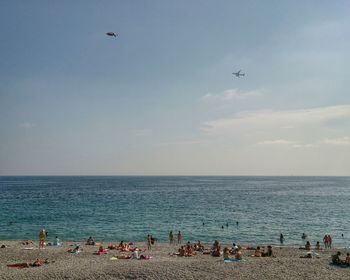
{"type": "Point", "coordinates": [325, 241]}
{"type": "Point", "coordinates": [179, 238]}
{"type": "Point", "coordinates": [330, 241]}
{"type": "Point", "coordinates": [171, 237]}
{"type": "Point", "coordinates": [42, 237]}
{"type": "Point", "coordinates": [149, 242]}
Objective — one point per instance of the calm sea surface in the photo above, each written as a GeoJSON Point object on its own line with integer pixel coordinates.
{"type": "Point", "coordinates": [128, 208]}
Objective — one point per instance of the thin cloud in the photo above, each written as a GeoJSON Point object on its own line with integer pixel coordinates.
{"type": "Point", "coordinates": [232, 94]}
{"type": "Point", "coordinates": [276, 142]}
{"type": "Point", "coordinates": [27, 125]}
{"type": "Point", "coordinates": [343, 141]}
{"type": "Point", "coordinates": [142, 132]}
{"type": "Point", "coordinates": [307, 128]}
{"type": "Point", "coordinates": [265, 120]}
{"type": "Point", "coordinates": [184, 142]}
{"type": "Point", "coordinates": [284, 142]}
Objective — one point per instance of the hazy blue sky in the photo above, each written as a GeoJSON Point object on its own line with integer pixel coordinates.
{"type": "Point", "coordinates": [160, 98]}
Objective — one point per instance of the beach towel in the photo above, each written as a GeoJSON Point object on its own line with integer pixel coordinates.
{"type": "Point", "coordinates": [18, 265]}
{"type": "Point", "coordinates": [231, 260]}
{"type": "Point", "coordinates": [113, 258]}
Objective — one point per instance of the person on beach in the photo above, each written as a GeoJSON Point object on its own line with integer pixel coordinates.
{"type": "Point", "coordinates": [238, 255]}
{"type": "Point", "coordinates": [336, 259]}
{"type": "Point", "coordinates": [318, 246]}
{"type": "Point", "coordinates": [234, 249]}
{"type": "Point", "coordinates": [153, 240]}
{"type": "Point", "coordinates": [171, 237]}
{"type": "Point", "coordinates": [121, 245]}
{"type": "Point", "coordinates": [325, 241]}
{"type": "Point", "coordinates": [42, 237]}
{"type": "Point", "coordinates": [281, 238]}
{"type": "Point", "coordinates": [149, 242]}
{"type": "Point", "coordinates": [308, 246]}
{"type": "Point", "coordinates": [76, 250]}
{"type": "Point", "coordinates": [179, 237]}
{"type": "Point", "coordinates": [347, 259]}
{"type": "Point", "coordinates": [182, 251]}
{"type": "Point", "coordinates": [189, 250]}
{"type": "Point", "coordinates": [199, 246]}
{"type": "Point", "coordinates": [329, 241]}
{"type": "Point", "coordinates": [257, 252]}
{"type": "Point", "coordinates": [269, 252]}
{"type": "Point", "coordinates": [215, 250]}
{"type": "Point", "coordinates": [36, 263]}
{"type": "Point", "coordinates": [226, 254]}
{"type": "Point", "coordinates": [57, 242]}
{"type": "Point", "coordinates": [90, 241]}
{"type": "Point", "coordinates": [135, 254]}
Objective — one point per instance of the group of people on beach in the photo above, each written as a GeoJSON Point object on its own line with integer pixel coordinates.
{"type": "Point", "coordinates": [172, 240]}
{"type": "Point", "coordinates": [42, 240]}
{"type": "Point", "coordinates": [327, 241]}
{"type": "Point", "coordinates": [233, 253]}
{"type": "Point", "coordinates": [336, 260]}
{"type": "Point", "coordinates": [229, 254]}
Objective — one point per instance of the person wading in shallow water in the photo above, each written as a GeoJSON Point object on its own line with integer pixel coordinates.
{"type": "Point", "coordinates": [281, 238]}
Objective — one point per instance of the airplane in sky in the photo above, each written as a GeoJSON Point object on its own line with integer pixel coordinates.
{"type": "Point", "coordinates": [112, 34]}
{"type": "Point", "coordinates": [238, 74]}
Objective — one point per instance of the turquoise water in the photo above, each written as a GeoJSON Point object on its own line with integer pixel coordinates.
{"type": "Point", "coordinates": [128, 208]}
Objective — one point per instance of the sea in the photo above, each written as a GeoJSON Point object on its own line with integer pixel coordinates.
{"type": "Point", "coordinates": [244, 210]}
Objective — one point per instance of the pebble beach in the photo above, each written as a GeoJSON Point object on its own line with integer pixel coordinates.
{"type": "Point", "coordinates": [286, 264]}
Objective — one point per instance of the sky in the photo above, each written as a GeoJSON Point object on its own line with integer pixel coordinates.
{"type": "Point", "coordinates": [160, 98]}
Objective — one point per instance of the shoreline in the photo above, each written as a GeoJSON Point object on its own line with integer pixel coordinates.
{"type": "Point", "coordinates": [286, 264]}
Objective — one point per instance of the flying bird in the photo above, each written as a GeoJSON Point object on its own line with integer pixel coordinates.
{"type": "Point", "coordinates": [112, 34]}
